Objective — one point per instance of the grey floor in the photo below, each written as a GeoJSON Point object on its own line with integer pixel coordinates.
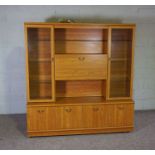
{"type": "Point", "coordinates": [13, 136]}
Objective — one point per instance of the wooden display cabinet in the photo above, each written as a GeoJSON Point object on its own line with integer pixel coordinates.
{"type": "Point", "coordinates": [79, 78]}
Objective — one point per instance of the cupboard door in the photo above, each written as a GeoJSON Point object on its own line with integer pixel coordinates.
{"type": "Point", "coordinates": [55, 118]}
{"type": "Point", "coordinates": [109, 115]}
{"type": "Point", "coordinates": [72, 117]}
{"type": "Point", "coordinates": [37, 118]}
{"type": "Point", "coordinates": [93, 116]}
{"type": "Point", "coordinates": [40, 67]}
{"type": "Point", "coordinates": [124, 115]}
{"type": "Point", "coordinates": [120, 63]}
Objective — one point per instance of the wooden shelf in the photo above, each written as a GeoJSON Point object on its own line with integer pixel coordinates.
{"type": "Point", "coordinates": [38, 40]}
{"type": "Point", "coordinates": [123, 40]}
{"type": "Point", "coordinates": [81, 101]}
{"type": "Point", "coordinates": [119, 59]}
{"type": "Point", "coordinates": [40, 78]}
{"type": "Point", "coordinates": [40, 60]}
{"type": "Point", "coordinates": [80, 53]}
{"type": "Point", "coordinates": [81, 40]}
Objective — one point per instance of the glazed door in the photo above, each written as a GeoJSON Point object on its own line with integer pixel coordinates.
{"type": "Point", "coordinates": [120, 63]}
{"type": "Point", "coordinates": [40, 65]}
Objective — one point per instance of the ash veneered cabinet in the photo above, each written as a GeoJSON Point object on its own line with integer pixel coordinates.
{"type": "Point", "coordinates": [79, 78]}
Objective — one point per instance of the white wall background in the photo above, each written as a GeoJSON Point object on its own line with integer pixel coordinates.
{"type": "Point", "coordinates": [12, 52]}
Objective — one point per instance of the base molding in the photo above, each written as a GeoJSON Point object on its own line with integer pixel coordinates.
{"type": "Point", "coordinates": [78, 132]}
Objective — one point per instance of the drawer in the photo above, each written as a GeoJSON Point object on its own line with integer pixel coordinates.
{"type": "Point", "coordinates": [80, 66]}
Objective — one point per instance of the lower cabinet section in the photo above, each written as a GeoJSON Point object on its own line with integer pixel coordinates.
{"type": "Point", "coordinates": [80, 118]}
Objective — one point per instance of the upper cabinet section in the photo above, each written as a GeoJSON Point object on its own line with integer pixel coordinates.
{"type": "Point", "coordinates": [74, 52]}
{"type": "Point", "coordinates": [40, 70]}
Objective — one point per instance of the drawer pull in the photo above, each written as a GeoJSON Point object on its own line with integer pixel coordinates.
{"type": "Point", "coordinates": [81, 58]}
{"type": "Point", "coordinates": [39, 111]}
{"type": "Point", "coordinates": [68, 110]}
{"type": "Point", "coordinates": [95, 109]}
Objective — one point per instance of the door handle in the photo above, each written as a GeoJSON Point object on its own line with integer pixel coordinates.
{"type": "Point", "coordinates": [68, 110]}
{"type": "Point", "coordinates": [81, 58]}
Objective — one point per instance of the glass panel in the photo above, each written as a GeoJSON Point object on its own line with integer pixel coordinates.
{"type": "Point", "coordinates": [39, 61]}
{"type": "Point", "coordinates": [120, 72]}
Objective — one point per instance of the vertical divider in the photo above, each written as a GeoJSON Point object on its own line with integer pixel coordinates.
{"type": "Point", "coordinates": [53, 64]}
{"type": "Point", "coordinates": [109, 63]}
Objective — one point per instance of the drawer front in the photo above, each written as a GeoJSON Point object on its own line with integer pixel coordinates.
{"type": "Point", "coordinates": [80, 66]}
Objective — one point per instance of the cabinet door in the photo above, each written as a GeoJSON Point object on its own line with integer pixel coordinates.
{"type": "Point", "coordinates": [37, 118]}
{"type": "Point", "coordinates": [120, 63]}
{"type": "Point", "coordinates": [72, 117]}
{"type": "Point", "coordinates": [81, 66]}
{"type": "Point", "coordinates": [124, 114]}
{"type": "Point", "coordinates": [55, 118]}
{"type": "Point", "coordinates": [40, 67]}
{"type": "Point", "coordinates": [93, 116]}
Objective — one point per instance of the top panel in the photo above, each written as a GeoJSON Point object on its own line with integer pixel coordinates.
{"type": "Point", "coordinates": [70, 25]}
